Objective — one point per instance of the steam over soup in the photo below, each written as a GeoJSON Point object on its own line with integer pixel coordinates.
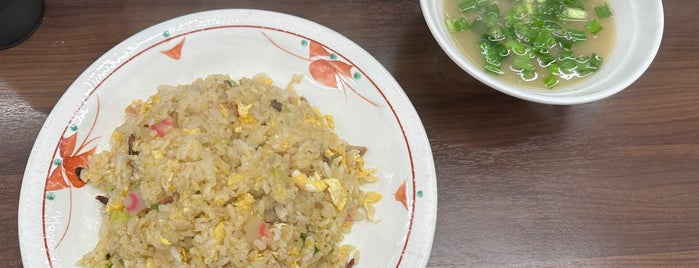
{"type": "Point", "coordinates": [533, 43]}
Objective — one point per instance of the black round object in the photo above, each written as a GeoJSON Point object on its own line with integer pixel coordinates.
{"type": "Point", "coordinates": [18, 20]}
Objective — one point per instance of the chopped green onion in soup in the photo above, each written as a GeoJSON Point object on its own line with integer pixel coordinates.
{"type": "Point", "coordinates": [534, 43]}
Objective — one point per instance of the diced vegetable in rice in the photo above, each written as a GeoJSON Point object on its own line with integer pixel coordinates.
{"type": "Point", "coordinates": [225, 173]}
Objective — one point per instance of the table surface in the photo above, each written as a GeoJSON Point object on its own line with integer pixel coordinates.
{"type": "Point", "coordinates": [610, 183]}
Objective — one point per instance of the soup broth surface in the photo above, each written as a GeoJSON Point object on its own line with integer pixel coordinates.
{"type": "Point", "coordinates": [601, 44]}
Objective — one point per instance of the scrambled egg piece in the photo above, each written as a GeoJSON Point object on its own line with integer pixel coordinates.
{"type": "Point", "coordinates": [219, 233]}
{"type": "Point", "coordinates": [338, 194]}
{"type": "Point", "coordinates": [149, 104]}
{"type": "Point", "coordinates": [115, 205]}
{"type": "Point", "coordinates": [369, 201]}
{"type": "Point", "coordinates": [233, 178]}
{"type": "Point", "coordinates": [219, 201]}
{"type": "Point", "coordinates": [117, 136]}
{"type": "Point", "coordinates": [280, 194]}
{"type": "Point", "coordinates": [245, 201]}
{"type": "Point", "coordinates": [313, 185]}
{"type": "Point", "coordinates": [145, 107]}
{"type": "Point", "coordinates": [284, 144]}
{"type": "Point", "coordinates": [191, 131]}
{"type": "Point", "coordinates": [150, 263]}
{"type": "Point", "coordinates": [156, 154]}
{"type": "Point", "coordinates": [268, 81]}
{"type": "Point", "coordinates": [154, 99]}
{"type": "Point", "coordinates": [185, 255]}
{"type": "Point", "coordinates": [366, 175]}
{"type": "Point", "coordinates": [319, 119]}
{"type": "Point", "coordinates": [244, 113]}
{"type": "Point", "coordinates": [310, 118]}
{"type": "Point", "coordinates": [293, 251]}
{"type": "Point", "coordinates": [330, 121]}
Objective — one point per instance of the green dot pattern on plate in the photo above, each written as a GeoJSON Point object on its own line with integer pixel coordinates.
{"type": "Point", "coordinates": [50, 196]}
{"type": "Point", "coordinates": [357, 75]}
{"type": "Point", "coordinates": [419, 194]}
{"type": "Point", "coordinates": [333, 56]}
{"type": "Point", "coordinates": [304, 42]}
{"type": "Point", "coordinates": [166, 34]}
{"type": "Point", "coordinates": [73, 127]}
{"type": "Point", "coordinates": [57, 162]}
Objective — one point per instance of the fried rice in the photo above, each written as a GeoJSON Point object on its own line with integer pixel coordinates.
{"type": "Point", "coordinates": [228, 173]}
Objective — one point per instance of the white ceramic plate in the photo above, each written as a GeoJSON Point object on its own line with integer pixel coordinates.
{"type": "Point", "coordinates": [58, 222]}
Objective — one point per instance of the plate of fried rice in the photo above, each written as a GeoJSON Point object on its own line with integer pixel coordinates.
{"type": "Point", "coordinates": [231, 138]}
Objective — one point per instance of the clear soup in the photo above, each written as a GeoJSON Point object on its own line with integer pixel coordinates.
{"type": "Point", "coordinates": [600, 44]}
